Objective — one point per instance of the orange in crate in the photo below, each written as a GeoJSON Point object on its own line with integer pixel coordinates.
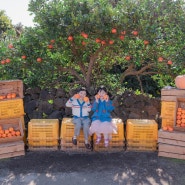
{"type": "Point", "coordinates": [7, 129]}
{"type": "Point", "coordinates": [11, 89]}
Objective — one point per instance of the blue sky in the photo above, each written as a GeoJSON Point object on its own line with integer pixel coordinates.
{"type": "Point", "coordinates": [17, 11]}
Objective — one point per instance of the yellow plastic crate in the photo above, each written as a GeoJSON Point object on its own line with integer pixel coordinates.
{"type": "Point", "coordinates": [141, 129]}
{"type": "Point", "coordinates": [168, 113]}
{"type": "Point", "coordinates": [11, 108]}
{"type": "Point", "coordinates": [142, 143]}
{"type": "Point", "coordinates": [16, 124]}
{"type": "Point", "coordinates": [66, 134]}
{"type": "Point", "coordinates": [67, 130]}
{"type": "Point", "coordinates": [43, 132]}
{"type": "Point", "coordinates": [11, 86]}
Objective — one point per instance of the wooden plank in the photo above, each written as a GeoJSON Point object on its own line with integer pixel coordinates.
{"type": "Point", "coordinates": [171, 149]}
{"type": "Point", "coordinates": [12, 147]}
{"type": "Point", "coordinates": [172, 92]}
{"type": "Point", "coordinates": [171, 155]}
{"type": "Point", "coordinates": [12, 154]}
{"type": "Point", "coordinates": [171, 135]}
{"type": "Point", "coordinates": [171, 142]}
{"type": "Point", "coordinates": [180, 129]}
{"type": "Point", "coordinates": [169, 98]}
{"type": "Point", "coordinates": [50, 148]}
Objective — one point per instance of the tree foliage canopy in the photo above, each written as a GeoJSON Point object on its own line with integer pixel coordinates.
{"type": "Point", "coordinates": [90, 42]}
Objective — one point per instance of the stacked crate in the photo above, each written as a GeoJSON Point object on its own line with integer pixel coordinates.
{"type": "Point", "coordinates": [172, 99]}
{"type": "Point", "coordinates": [43, 134]}
{"type": "Point", "coordinates": [66, 134]}
{"type": "Point", "coordinates": [116, 144]}
{"type": "Point", "coordinates": [171, 144]}
{"type": "Point", "coordinates": [11, 118]}
{"type": "Point", "coordinates": [141, 135]}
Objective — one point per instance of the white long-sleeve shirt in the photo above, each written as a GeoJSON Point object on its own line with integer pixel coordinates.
{"type": "Point", "coordinates": [80, 109]}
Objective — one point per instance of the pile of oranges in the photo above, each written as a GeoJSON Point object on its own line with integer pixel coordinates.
{"type": "Point", "coordinates": [9, 132]}
{"type": "Point", "coordinates": [8, 96]}
{"type": "Point", "coordinates": [180, 117]}
{"type": "Point", "coordinates": [168, 128]}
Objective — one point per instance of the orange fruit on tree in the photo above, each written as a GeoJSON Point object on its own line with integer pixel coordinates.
{"type": "Point", "coordinates": [160, 59]}
{"type": "Point", "coordinates": [23, 57]}
{"type": "Point", "coordinates": [50, 46]}
{"type": "Point", "coordinates": [169, 62]}
{"type": "Point", "coordinates": [111, 42]}
{"type": "Point", "coordinates": [135, 33]}
{"type": "Point", "coordinates": [3, 62]}
{"type": "Point", "coordinates": [146, 42]}
{"type": "Point", "coordinates": [113, 30]}
{"type": "Point", "coordinates": [127, 58]}
{"type": "Point", "coordinates": [103, 42]}
{"type": "Point", "coordinates": [70, 38]}
{"type": "Point", "coordinates": [39, 59]}
{"type": "Point", "coordinates": [97, 40]}
{"type": "Point", "coordinates": [121, 37]}
{"type": "Point", "coordinates": [84, 43]}
{"type": "Point", "coordinates": [8, 60]}
{"type": "Point", "coordinates": [52, 41]}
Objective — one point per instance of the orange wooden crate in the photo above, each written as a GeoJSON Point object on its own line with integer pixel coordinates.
{"type": "Point", "coordinates": [171, 144]}
{"type": "Point", "coordinates": [16, 123]}
{"type": "Point", "coordinates": [9, 86]}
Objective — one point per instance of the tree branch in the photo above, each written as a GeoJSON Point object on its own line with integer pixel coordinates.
{"type": "Point", "coordinates": [133, 72]}
{"type": "Point", "coordinates": [73, 73]}
{"type": "Point", "coordinates": [91, 64]}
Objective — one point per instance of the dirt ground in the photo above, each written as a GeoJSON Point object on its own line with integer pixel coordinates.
{"type": "Point", "coordinates": [59, 167]}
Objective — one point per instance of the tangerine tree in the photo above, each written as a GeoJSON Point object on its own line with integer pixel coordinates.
{"type": "Point", "coordinates": [90, 42]}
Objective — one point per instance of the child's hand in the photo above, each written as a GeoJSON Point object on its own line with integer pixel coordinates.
{"type": "Point", "coordinates": [76, 96]}
{"type": "Point", "coordinates": [97, 97]}
{"type": "Point", "coordinates": [86, 99]}
{"type": "Point", "coordinates": [106, 98]}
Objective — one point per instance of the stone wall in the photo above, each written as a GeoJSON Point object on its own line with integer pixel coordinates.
{"type": "Point", "coordinates": [50, 104]}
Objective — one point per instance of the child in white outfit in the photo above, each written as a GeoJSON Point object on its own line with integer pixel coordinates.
{"type": "Point", "coordinates": [80, 109]}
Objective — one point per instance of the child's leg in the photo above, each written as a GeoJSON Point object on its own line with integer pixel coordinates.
{"type": "Point", "coordinates": [86, 125]}
{"type": "Point", "coordinates": [98, 139]}
{"type": "Point", "coordinates": [106, 140]}
{"type": "Point", "coordinates": [77, 124]}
